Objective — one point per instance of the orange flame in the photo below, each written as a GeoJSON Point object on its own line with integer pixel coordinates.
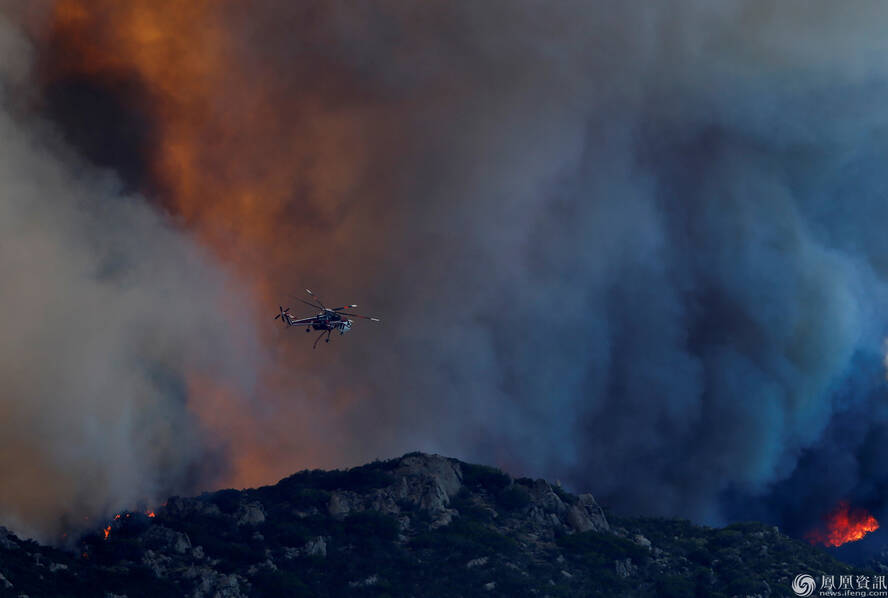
{"type": "Point", "coordinates": [107, 531]}
{"type": "Point", "coordinates": [150, 513]}
{"type": "Point", "coordinates": [843, 525]}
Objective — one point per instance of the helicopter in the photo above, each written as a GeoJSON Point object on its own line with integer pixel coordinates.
{"type": "Point", "coordinates": [328, 320]}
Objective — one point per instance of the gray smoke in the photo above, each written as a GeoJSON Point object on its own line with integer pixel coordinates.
{"type": "Point", "coordinates": [638, 248]}
{"type": "Point", "coordinates": [104, 308]}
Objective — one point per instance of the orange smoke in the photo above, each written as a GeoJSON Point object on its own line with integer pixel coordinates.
{"type": "Point", "coordinates": [843, 525]}
{"type": "Point", "coordinates": [234, 151]}
{"type": "Point", "coordinates": [177, 53]}
{"type": "Point", "coordinates": [264, 161]}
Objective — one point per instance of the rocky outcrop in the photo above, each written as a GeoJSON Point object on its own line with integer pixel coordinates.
{"type": "Point", "coordinates": [212, 584]}
{"type": "Point", "coordinates": [6, 539]}
{"type": "Point", "coordinates": [316, 547]}
{"type": "Point", "coordinates": [251, 514]}
{"type": "Point", "coordinates": [429, 481]}
{"type": "Point", "coordinates": [424, 482]}
{"type": "Point", "coordinates": [166, 540]}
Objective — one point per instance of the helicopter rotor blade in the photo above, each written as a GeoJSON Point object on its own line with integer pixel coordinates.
{"type": "Point", "coordinates": [372, 319]}
{"type": "Point", "coordinates": [308, 303]}
{"type": "Point", "coordinates": [344, 307]}
{"type": "Point", "coordinates": [316, 298]}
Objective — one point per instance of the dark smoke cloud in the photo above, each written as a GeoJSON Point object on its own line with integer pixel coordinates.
{"type": "Point", "coordinates": [104, 308]}
{"type": "Point", "coordinates": [636, 248]}
{"type": "Point", "coordinates": [643, 248]}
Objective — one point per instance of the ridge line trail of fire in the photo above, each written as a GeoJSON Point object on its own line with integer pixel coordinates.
{"type": "Point", "coordinates": [249, 164]}
{"type": "Point", "coordinates": [125, 515]}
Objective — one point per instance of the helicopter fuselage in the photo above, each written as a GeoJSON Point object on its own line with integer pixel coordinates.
{"type": "Point", "coordinates": [330, 320]}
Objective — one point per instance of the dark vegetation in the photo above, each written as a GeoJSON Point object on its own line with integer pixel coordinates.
{"type": "Point", "coordinates": [483, 551]}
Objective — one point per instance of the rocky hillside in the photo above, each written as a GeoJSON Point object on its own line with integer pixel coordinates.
{"type": "Point", "coordinates": [421, 525]}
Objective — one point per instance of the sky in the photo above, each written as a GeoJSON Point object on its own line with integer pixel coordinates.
{"type": "Point", "coordinates": [635, 248]}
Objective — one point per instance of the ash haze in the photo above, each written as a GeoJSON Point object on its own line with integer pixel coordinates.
{"type": "Point", "coordinates": [103, 308]}
{"type": "Point", "coordinates": [636, 248]}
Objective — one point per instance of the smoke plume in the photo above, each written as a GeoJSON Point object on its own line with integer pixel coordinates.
{"type": "Point", "coordinates": [636, 248]}
{"type": "Point", "coordinates": [106, 311]}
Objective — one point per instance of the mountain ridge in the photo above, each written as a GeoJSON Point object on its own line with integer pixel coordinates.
{"type": "Point", "coordinates": [417, 525]}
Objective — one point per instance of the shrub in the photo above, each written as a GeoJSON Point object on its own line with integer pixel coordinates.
{"type": "Point", "coordinates": [470, 509]}
{"type": "Point", "coordinates": [227, 500]}
{"type": "Point", "coordinates": [674, 586]}
{"type": "Point", "coordinates": [607, 545]}
{"type": "Point", "coordinates": [700, 555]}
{"type": "Point", "coordinates": [481, 476]}
{"type": "Point", "coordinates": [513, 498]}
{"type": "Point", "coordinates": [466, 539]}
{"type": "Point", "coordinates": [358, 479]}
{"type": "Point", "coordinates": [371, 525]}
{"type": "Point", "coordinates": [725, 538]}
{"type": "Point", "coordinates": [286, 532]}
{"type": "Point", "coordinates": [276, 583]}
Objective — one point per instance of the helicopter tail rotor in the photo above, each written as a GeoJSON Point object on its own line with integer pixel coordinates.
{"type": "Point", "coordinates": [285, 319]}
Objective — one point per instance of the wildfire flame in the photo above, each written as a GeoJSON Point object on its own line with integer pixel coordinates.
{"type": "Point", "coordinates": [125, 515]}
{"type": "Point", "coordinates": [843, 525]}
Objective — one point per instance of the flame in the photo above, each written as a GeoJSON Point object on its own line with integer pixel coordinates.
{"type": "Point", "coordinates": [150, 513]}
{"type": "Point", "coordinates": [107, 531]}
{"type": "Point", "coordinates": [843, 525]}
{"type": "Point", "coordinates": [267, 172]}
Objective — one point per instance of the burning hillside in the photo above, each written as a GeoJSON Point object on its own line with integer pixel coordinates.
{"type": "Point", "coordinates": [842, 525]}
